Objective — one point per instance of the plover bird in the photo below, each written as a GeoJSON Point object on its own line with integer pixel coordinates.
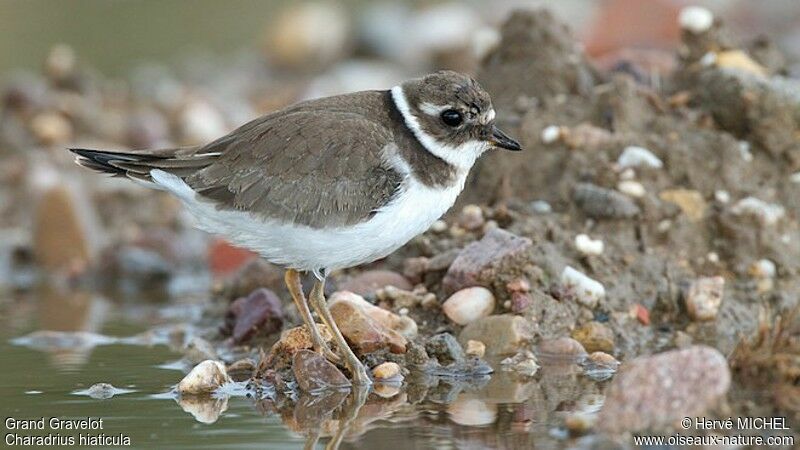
{"type": "Point", "coordinates": [329, 183]}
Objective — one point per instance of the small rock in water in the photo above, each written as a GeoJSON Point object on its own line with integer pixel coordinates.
{"type": "Point", "coordinates": [367, 283]}
{"type": "Point", "coordinates": [363, 332]}
{"type": "Point", "coordinates": [445, 348]}
{"type": "Point", "coordinates": [704, 297]}
{"type": "Point", "coordinates": [475, 349]}
{"type": "Point", "coordinates": [695, 19]}
{"type": "Point", "coordinates": [241, 370]}
{"type": "Point", "coordinates": [502, 334]}
{"type": "Point", "coordinates": [315, 373]}
{"type": "Point", "coordinates": [766, 213]}
{"type": "Point", "coordinates": [599, 366]}
{"type": "Point", "coordinates": [601, 203]}
{"type": "Point", "coordinates": [524, 363]}
{"type": "Point", "coordinates": [60, 232]}
{"type": "Point", "coordinates": [587, 245]}
{"type": "Point", "coordinates": [472, 412]}
{"type": "Point", "coordinates": [101, 391]}
{"type": "Point", "coordinates": [635, 156]}
{"type": "Point", "coordinates": [259, 312]}
{"type": "Point", "coordinates": [594, 336]}
{"type": "Point", "coordinates": [479, 263]}
{"type": "Point", "coordinates": [469, 305]}
{"type": "Point", "coordinates": [658, 391]}
{"type": "Point", "coordinates": [198, 350]}
{"type": "Point", "coordinates": [588, 292]}
{"type": "Point", "coordinates": [204, 378]}
{"type": "Point", "coordinates": [561, 350]}
{"type": "Point", "coordinates": [387, 372]}
{"type": "Point", "coordinates": [689, 201]}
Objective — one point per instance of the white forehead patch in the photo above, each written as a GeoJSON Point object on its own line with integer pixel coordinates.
{"type": "Point", "coordinates": [488, 116]}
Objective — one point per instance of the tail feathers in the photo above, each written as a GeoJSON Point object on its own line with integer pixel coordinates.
{"type": "Point", "coordinates": [138, 166]}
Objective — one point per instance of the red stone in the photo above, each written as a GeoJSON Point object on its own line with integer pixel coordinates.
{"type": "Point", "coordinates": [225, 258]}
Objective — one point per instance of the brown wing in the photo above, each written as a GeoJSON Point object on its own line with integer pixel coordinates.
{"type": "Point", "coordinates": [308, 165]}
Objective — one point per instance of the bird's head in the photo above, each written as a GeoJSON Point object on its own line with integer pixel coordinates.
{"type": "Point", "coordinates": [452, 116]}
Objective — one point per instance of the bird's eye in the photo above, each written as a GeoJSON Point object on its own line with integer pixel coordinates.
{"type": "Point", "coordinates": [452, 118]}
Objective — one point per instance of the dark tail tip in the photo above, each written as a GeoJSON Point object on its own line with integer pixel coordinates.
{"type": "Point", "coordinates": [101, 161]}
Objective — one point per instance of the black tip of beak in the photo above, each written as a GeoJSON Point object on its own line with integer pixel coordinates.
{"type": "Point", "coordinates": [502, 140]}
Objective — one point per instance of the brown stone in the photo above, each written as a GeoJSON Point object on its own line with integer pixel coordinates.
{"type": "Point", "coordinates": [367, 283]}
{"type": "Point", "coordinates": [60, 232]}
{"type": "Point", "coordinates": [314, 373]}
{"type": "Point", "coordinates": [658, 391]}
{"type": "Point", "coordinates": [298, 338]}
{"type": "Point", "coordinates": [594, 336]}
{"type": "Point", "coordinates": [479, 263]}
{"type": "Point", "coordinates": [363, 333]}
{"type": "Point", "coordinates": [259, 312]}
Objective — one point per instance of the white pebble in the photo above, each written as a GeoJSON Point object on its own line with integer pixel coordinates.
{"type": "Point", "coordinates": [764, 268]}
{"type": "Point", "coordinates": [795, 177]}
{"type": "Point", "coordinates": [704, 298]}
{"type": "Point", "coordinates": [551, 134]}
{"type": "Point", "coordinates": [587, 245]}
{"type": "Point", "coordinates": [709, 59]}
{"type": "Point", "coordinates": [205, 378]}
{"type": "Point", "coordinates": [634, 156]}
{"type": "Point", "coordinates": [440, 226]}
{"type": "Point", "coordinates": [767, 213]}
{"type": "Point", "coordinates": [469, 305]}
{"type": "Point", "coordinates": [712, 257]}
{"type": "Point", "coordinates": [588, 291]}
{"type": "Point", "coordinates": [695, 19]}
{"type": "Point", "coordinates": [631, 188]}
{"type": "Point", "coordinates": [744, 151]}
{"type": "Point", "coordinates": [541, 207]}
{"type": "Point", "coordinates": [627, 174]}
{"type": "Point", "coordinates": [722, 196]}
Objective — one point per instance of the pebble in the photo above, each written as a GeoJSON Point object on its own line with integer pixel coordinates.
{"type": "Point", "coordinates": [658, 391]}
{"type": "Point", "coordinates": [587, 291]}
{"type": "Point", "coordinates": [242, 370]}
{"type": "Point", "coordinates": [585, 136]}
{"type": "Point", "coordinates": [102, 391]}
{"type": "Point", "coordinates": [440, 226]}
{"type": "Point", "coordinates": [388, 371]}
{"type": "Point", "coordinates": [632, 188]}
{"type": "Point", "coordinates": [795, 178]}
{"type": "Point", "coordinates": [299, 338]}
{"type": "Point", "coordinates": [51, 128]}
{"type": "Point", "coordinates": [201, 123]}
{"type": "Point", "coordinates": [595, 336]}
{"type": "Point", "coordinates": [599, 366]}
{"type": "Point", "coordinates": [204, 378]}
{"type": "Point", "coordinates": [364, 333]}
{"type": "Point", "coordinates": [704, 298]}
{"type": "Point", "coordinates": [308, 35]}
{"type": "Point", "coordinates": [475, 349]}
{"type": "Point", "coordinates": [260, 312]}
{"type": "Point", "coordinates": [634, 156]}
{"type": "Point", "coordinates": [524, 363]}
{"type": "Point", "coordinates": [367, 283]}
{"type": "Point", "coordinates": [480, 262]}
{"type": "Point", "coordinates": [741, 61]}
{"type": "Point", "coordinates": [689, 201]}
{"type": "Point", "coordinates": [315, 373]}
{"type": "Point", "coordinates": [469, 305]}
{"type": "Point", "coordinates": [695, 19]}
{"type": "Point", "coordinates": [60, 62]}
{"type": "Point", "coordinates": [722, 196]}
{"type": "Point", "coordinates": [602, 203]}
{"type": "Point", "coordinates": [60, 230]}
{"type": "Point", "coordinates": [641, 314]}
{"type": "Point", "coordinates": [588, 246]}
{"type": "Point", "coordinates": [562, 349]}
{"type": "Point", "coordinates": [541, 207]}
{"type": "Point", "coordinates": [471, 218]}
{"type": "Point", "coordinates": [551, 134]}
{"type": "Point", "coordinates": [445, 348]}
{"type": "Point", "coordinates": [501, 334]}
{"type": "Point", "coordinates": [763, 268]}
{"type": "Point", "coordinates": [404, 325]}
{"type": "Point", "coordinates": [472, 412]}
{"type": "Point", "coordinates": [766, 213]}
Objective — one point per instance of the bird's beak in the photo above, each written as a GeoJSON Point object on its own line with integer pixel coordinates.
{"type": "Point", "coordinates": [502, 140]}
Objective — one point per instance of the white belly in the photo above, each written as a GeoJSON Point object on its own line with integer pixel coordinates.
{"type": "Point", "coordinates": [305, 248]}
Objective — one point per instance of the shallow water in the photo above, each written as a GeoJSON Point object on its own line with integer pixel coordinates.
{"type": "Point", "coordinates": [48, 374]}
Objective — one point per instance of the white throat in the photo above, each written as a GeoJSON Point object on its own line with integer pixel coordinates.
{"type": "Point", "coordinates": [461, 156]}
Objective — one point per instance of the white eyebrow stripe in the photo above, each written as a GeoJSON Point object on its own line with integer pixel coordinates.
{"type": "Point", "coordinates": [431, 109]}
{"type": "Point", "coordinates": [489, 115]}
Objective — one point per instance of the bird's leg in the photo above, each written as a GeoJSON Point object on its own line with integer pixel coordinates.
{"type": "Point", "coordinates": [295, 286]}
{"type": "Point", "coordinates": [320, 305]}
